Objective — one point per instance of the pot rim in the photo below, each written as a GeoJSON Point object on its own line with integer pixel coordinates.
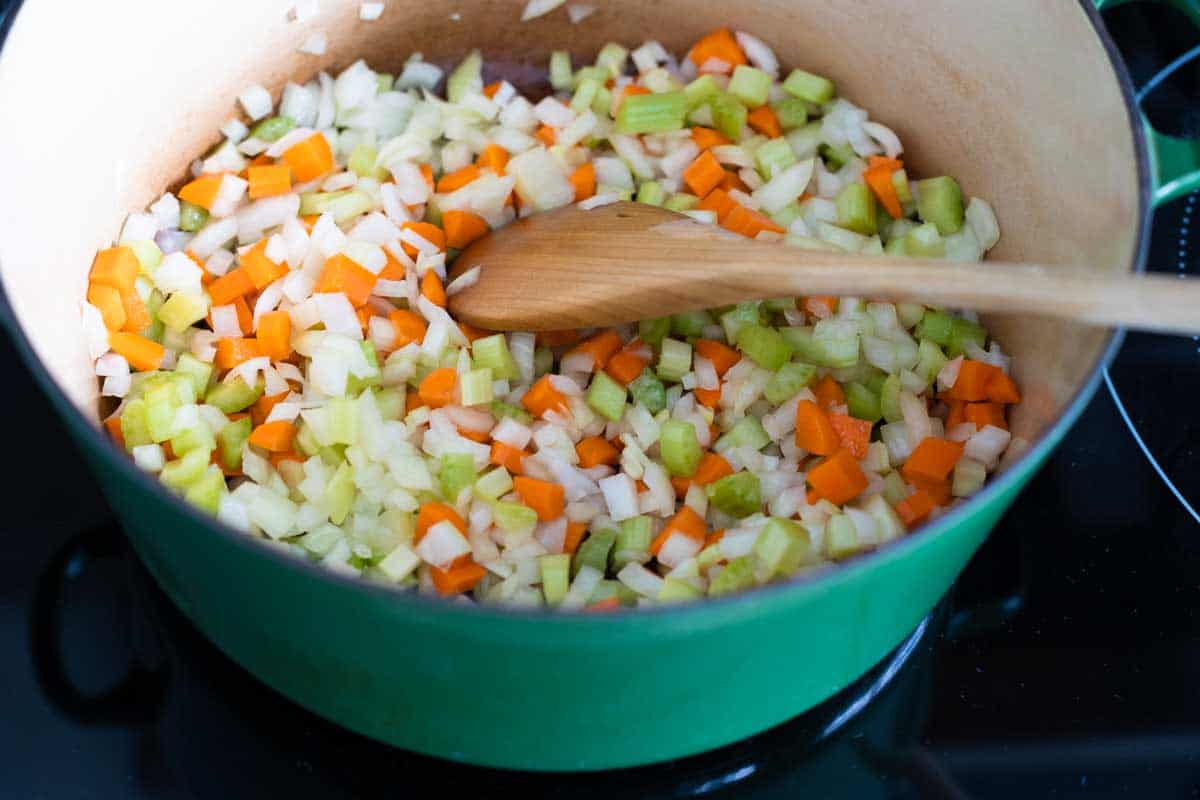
{"type": "Point", "coordinates": [718, 609]}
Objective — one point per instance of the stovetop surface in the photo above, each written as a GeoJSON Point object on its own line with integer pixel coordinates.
{"type": "Point", "coordinates": [1063, 664]}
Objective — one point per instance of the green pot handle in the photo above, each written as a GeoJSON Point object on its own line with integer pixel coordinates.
{"type": "Point", "coordinates": [1174, 163]}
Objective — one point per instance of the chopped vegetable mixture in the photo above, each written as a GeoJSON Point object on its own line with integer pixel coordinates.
{"type": "Point", "coordinates": [276, 334]}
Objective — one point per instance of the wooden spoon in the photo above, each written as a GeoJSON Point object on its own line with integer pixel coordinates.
{"type": "Point", "coordinates": [622, 262]}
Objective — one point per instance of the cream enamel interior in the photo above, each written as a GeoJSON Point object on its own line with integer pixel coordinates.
{"type": "Point", "coordinates": [1017, 99]}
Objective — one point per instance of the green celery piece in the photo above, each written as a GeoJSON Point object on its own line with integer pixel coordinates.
{"type": "Point", "coordinates": [608, 588]}
{"type": "Point", "coordinates": [198, 372]}
{"type": "Point", "coordinates": [494, 484]}
{"type": "Point", "coordinates": [345, 204]}
{"type": "Point", "coordinates": [741, 314]}
{"type": "Point", "coordinates": [936, 326]}
{"type": "Point", "coordinates": [593, 551]}
{"type": "Point", "coordinates": [457, 473]}
{"type": "Point", "coordinates": [876, 381]}
{"type": "Point", "coordinates": [924, 241]}
{"type": "Point", "coordinates": [632, 543]}
{"type": "Point", "coordinates": [588, 74]}
{"type": "Point", "coordinates": [896, 247]}
{"type": "Point", "coordinates": [230, 440]}
{"type": "Point", "coordinates": [841, 537]}
{"type": "Point", "coordinates": [500, 410]}
{"type": "Point", "coordinates": [543, 361]}
{"type": "Point", "coordinates": [354, 384]}
{"type": "Point", "coordinates": [161, 405]}
{"type": "Point", "coordinates": [778, 305]}
{"type": "Point", "coordinates": [700, 91]}
{"type": "Point", "coordinates": [737, 576]}
{"type": "Point", "coordinates": [940, 201]}
{"type": "Point", "coordinates": [681, 201]}
{"type": "Point", "coordinates": [272, 129]}
{"type": "Point", "coordinates": [476, 387]}
{"type": "Point", "coordinates": [910, 314]}
{"type": "Point", "coordinates": [773, 157]}
{"type": "Point", "coordinates": [343, 421]}
{"type": "Point", "coordinates": [233, 396]}
{"type": "Point", "coordinates": [836, 156]}
{"type": "Point", "coordinates": [894, 488]}
{"type": "Point", "coordinates": [729, 115]}
{"type": "Point", "coordinates": [889, 399]}
{"type": "Point", "coordinates": [964, 332]}
{"type": "Point", "coordinates": [560, 70]}
{"type": "Point", "coordinates": [513, 517]}
{"type": "Point", "coordinates": [306, 440]}
{"type": "Point", "coordinates": [555, 571]}
{"type": "Point", "coordinates": [690, 324]}
{"type": "Point", "coordinates": [611, 58]}
{"type": "Point", "coordinates": [390, 402]}
{"type": "Point", "coordinates": [183, 472]}
{"type": "Point", "coordinates": [805, 140]}
{"type": "Point", "coordinates": [652, 331]}
{"type": "Point", "coordinates": [676, 591]}
{"type": "Point", "coordinates": [197, 437]}
{"type": "Point", "coordinates": [930, 360]}
{"type": "Point", "coordinates": [788, 380]}
{"type": "Point", "coordinates": [585, 95]}
{"type": "Point", "coordinates": [191, 217]}
{"type": "Point", "coordinates": [791, 113]}
{"type": "Point", "coordinates": [135, 429]}
{"type": "Point", "coordinates": [900, 184]}
{"type": "Point", "coordinates": [810, 87]}
{"type": "Point", "coordinates": [384, 82]}
{"type": "Point", "coordinates": [746, 432]}
{"type": "Point", "coordinates": [738, 495]}
{"type": "Point", "coordinates": [652, 113]}
{"type": "Point", "coordinates": [205, 491]}
{"type": "Point", "coordinates": [787, 215]}
{"type": "Point", "coordinates": [467, 78]}
{"type": "Point", "coordinates": [606, 397]}
{"type": "Point", "coordinates": [765, 346]}
{"type": "Point", "coordinates": [680, 448]}
{"type": "Point", "coordinates": [856, 209]}
{"type": "Point", "coordinates": [339, 494]}
{"type": "Point", "coordinates": [862, 402]}
{"type": "Point", "coordinates": [969, 476]}
{"type": "Point", "coordinates": [838, 341]}
{"type": "Point", "coordinates": [182, 310]}
{"type": "Point", "coordinates": [648, 391]}
{"type": "Point", "coordinates": [782, 547]}
{"type": "Point", "coordinates": [651, 193]}
{"type": "Point", "coordinates": [362, 163]}
{"type": "Point", "coordinates": [147, 253]}
{"type": "Point", "coordinates": [601, 107]}
{"type": "Point", "coordinates": [750, 85]}
{"type": "Point", "coordinates": [674, 359]}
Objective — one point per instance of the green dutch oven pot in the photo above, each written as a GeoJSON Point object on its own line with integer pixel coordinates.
{"type": "Point", "coordinates": [1021, 100]}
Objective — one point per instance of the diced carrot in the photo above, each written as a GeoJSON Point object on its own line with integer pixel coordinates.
{"type": "Point", "coordinates": [427, 231]}
{"type": "Point", "coordinates": [584, 181]}
{"type": "Point", "coordinates": [493, 157]}
{"type": "Point", "coordinates": [310, 158]}
{"type": "Point", "coordinates": [880, 181]}
{"type": "Point", "coordinates": [600, 347]}
{"type": "Point", "coordinates": [230, 286]}
{"type": "Point", "coordinates": [557, 338]}
{"type": "Point", "coordinates": [364, 314]}
{"type": "Point", "coordinates": [712, 468]}
{"type": "Point", "coordinates": [308, 220]}
{"type": "Point", "coordinates": [546, 498]}
{"type": "Point", "coordinates": [641, 485]}
{"type": "Point", "coordinates": [814, 432]}
{"type": "Point", "coordinates": [262, 407]}
{"type": "Point", "coordinates": [427, 174]}
{"type": "Point", "coordinates": [972, 382]}
{"type": "Point", "coordinates": [137, 317]}
{"type": "Point", "coordinates": [275, 458]}
{"type": "Point", "coordinates": [431, 287]}
{"type": "Point", "coordinates": [261, 270]}
{"type": "Point", "coordinates": [983, 414]}
{"type": "Point", "coordinates": [733, 181]}
{"type": "Point", "coordinates": [546, 135]}
{"type": "Point", "coordinates": [820, 306]}
{"type": "Point", "coordinates": [596, 450]}
{"type": "Point", "coordinates": [838, 479]}
{"type": "Point", "coordinates": [707, 397]}
{"type": "Point", "coordinates": [231, 352]}
{"type": "Point", "coordinates": [957, 414]}
{"type": "Point", "coordinates": [458, 179]}
{"type": "Point", "coordinates": [1002, 389]}
{"type": "Point", "coordinates": [624, 367]}
{"type": "Point", "coordinates": [108, 301]}
{"type": "Point", "coordinates": [608, 604]}
{"type": "Point", "coordinates": [938, 491]}
{"type": "Point", "coordinates": [274, 436]}
{"type": "Point", "coordinates": [410, 327]}
{"type": "Point", "coordinates": [431, 514]}
{"type": "Point", "coordinates": [508, 457]}
{"type": "Point", "coordinates": [203, 190]}
{"type": "Point", "coordinates": [269, 181]}
{"type": "Point", "coordinates": [343, 274]}
{"type": "Point", "coordinates": [704, 174]}
{"type": "Point", "coordinates": [854, 433]}
{"type": "Point", "coordinates": [575, 531]}
{"type": "Point", "coordinates": [721, 355]}
{"type": "Point", "coordinates": [718, 201]}
{"type": "Point", "coordinates": [932, 460]}
{"type": "Point", "coordinates": [245, 316]}
{"type": "Point", "coordinates": [681, 486]}
{"type": "Point", "coordinates": [763, 120]}
{"type": "Point", "coordinates": [393, 270]}
{"type": "Point", "coordinates": [714, 537]}
{"type": "Point", "coordinates": [687, 522]}
{"type": "Point", "coordinates": [141, 353]}
{"type": "Point", "coordinates": [458, 578]}
{"type": "Point", "coordinates": [719, 44]}
{"type": "Point", "coordinates": [490, 90]}
{"type": "Point", "coordinates": [274, 335]}
{"type": "Point", "coordinates": [915, 508]}
{"type": "Point", "coordinates": [463, 227]}
{"type": "Point", "coordinates": [829, 393]}
{"type": "Point", "coordinates": [749, 223]}
{"type": "Point", "coordinates": [883, 162]}
{"type": "Point", "coordinates": [707, 137]}
{"type": "Point", "coordinates": [113, 426]}
{"type": "Point", "coordinates": [437, 388]}
{"type": "Point", "coordinates": [116, 267]}
{"type": "Point", "coordinates": [543, 397]}
{"type": "Point", "coordinates": [472, 333]}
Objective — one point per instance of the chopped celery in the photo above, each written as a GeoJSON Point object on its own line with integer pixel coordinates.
{"type": "Point", "coordinates": [606, 396]}
{"type": "Point", "coordinates": [494, 484]}
{"type": "Point", "coordinates": [555, 571]}
{"type": "Point", "coordinates": [675, 590]}
{"type": "Point", "coordinates": [390, 403]}
{"type": "Point", "coordinates": [876, 381]}
{"type": "Point", "coordinates": [856, 209]}
{"type": "Point", "coordinates": [339, 493]}
{"type": "Point", "coordinates": [398, 564]}
{"type": "Point", "coordinates": [964, 332]}
{"type": "Point", "coordinates": [690, 324]}
{"type": "Point", "coordinates": [940, 201]}
{"type": "Point", "coordinates": [272, 129]}
{"type": "Point", "coordinates": [773, 157]}
{"type": "Point", "coordinates": [924, 241]}
{"type": "Point", "coordinates": [701, 91]}
{"type": "Point", "coordinates": [789, 379]}
{"type": "Point", "coordinates": [674, 359]}
{"type": "Point", "coordinates": [501, 410]}
{"type": "Point", "coordinates": [362, 163]}
{"type": "Point", "coordinates": [585, 95]}
{"type": "Point", "coordinates": [791, 113]}
{"type": "Point", "coordinates": [935, 326]}
{"type": "Point", "coordinates": [765, 346]}
{"type": "Point", "coordinates": [147, 253]}
{"type": "Point", "coordinates": [161, 405]}
{"type": "Point", "coordinates": [830, 343]}
{"type": "Point", "coordinates": [738, 495]}
{"type": "Point", "coordinates": [896, 247]}
{"type": "Point", "coordinates": [649, 392]}
{"type": "Point", "coordinates": [593, 551]}
{"type": "Point", "coordinates": [135, 429]}
{"type": "Point", "coordinates": [492, 352]}
{"type": "Point", "coordinates": [543, 361]}
{"type": "Point", "coordinates": [787, 215]}
{"type": "Point", "coordinates": [930, 361]}
{"type": "Point", "coordinates": [680, 448]}
{"type": "Point", "coordinates": [805, 140]}
{"type": "Point", "coordinates": [900, 184]}
{"type": "Point", "coordinates": [810, 87]}
{"type": "Point", "coordinates": [909, 314]}
{"type": "Point", "coordinates": [355, 384]}
{"type": "Point", "coordinates": [185, 471]}
{"type": "Point", "coordinates": [306, 440]}
{"type": "Point", "coordinates": [681, 202]}
{"type": "Point", "coordinates": [467, 78]}
{"type": "Point", "coordinates": [342, 416]}
{"type": "Point", "coordinates": [514, 517]}
{"type": "Point", "coordinates": [457, 472]}
{"type": "Point", "coordinates": [344, 205]}
{"type": "Point", "coordinates": [968, 479]}
{"type": "Point", "coordinates": [741, 314]}
{"type": "Point", "coordinates": [836, 156]}
{"type": "Point", "coordinates": [652, 113]}
{"type": "Point", "coordinates": [895, 490]}
{"type": "Point", "coordinates": [651, 193]}
{"type": "Point", "coordinates": [476, 386]}
{"type": "Point", "coordinates": [782, 547]}
{"type": "Point", "coordinates": [182, 310]}
{"type": "Point", "coordinates": [560, 70]}
{"type": "Point", "coordinates": [729, 115]}
{"type": "Point", "coordinates": [600, 106]}
{"type": "Point", "coordinates": [777, 305]}
{"type": "Point", "coordinates": [384, 81]}
{"type": "Point", "coordinates": [194, 437]}
{"type": "Point", "coordinates": [841, 537]}
{"type": "Point", "coordinates": [233, 396]}
{"type": "Point", "coordinates": [589, 74]}
{"type": "Point", "coordinates": [633, 542]}
{"type": "Point", "coordinates": [230, 440]}
{"type": "Point", "coordinates": [862, 402]}
{"type": "Point", "coordinates": [889, 399]}
{"type": "Point", "coordinates": [205, 492]}
{"type": "Point", "coordinates": [737, 576]}
{"type": "Point", "coordinates": [750, 85]}
{"type": "Point", "coordinates": [888, 523]}
{"type": "Point", "coordinates": [612, 58]}
{"type": "Point", "coordinates": [191, 217]}
{"type": "Point", "coordinates": [196, 370]}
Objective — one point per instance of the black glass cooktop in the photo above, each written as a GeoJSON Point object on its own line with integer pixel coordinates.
{"type": "Point", "coordinates": [1063, 664]}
